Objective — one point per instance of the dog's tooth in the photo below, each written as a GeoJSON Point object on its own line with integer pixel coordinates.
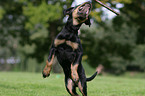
{"type": "Point", "coordinates": [87, 12]}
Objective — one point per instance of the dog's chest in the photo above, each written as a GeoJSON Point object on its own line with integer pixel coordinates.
{"type": "Point", "coordinates": [66, 41]}
{"type": "Point", "coordinates": [65, 50]}
{"type": "Point", "coordinates": [73, 45]}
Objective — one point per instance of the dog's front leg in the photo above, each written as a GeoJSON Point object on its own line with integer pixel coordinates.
{"type": "Point", "coordinates": [74, 66]}
{"type": "Point", "coordinates": [47, 69]}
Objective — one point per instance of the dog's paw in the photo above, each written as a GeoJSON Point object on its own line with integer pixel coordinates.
{"type": "Point", "coordinates": [45, 75]}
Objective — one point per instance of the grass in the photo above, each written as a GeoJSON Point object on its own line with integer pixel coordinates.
{"type": "Point", "coordinates": [32, 84]}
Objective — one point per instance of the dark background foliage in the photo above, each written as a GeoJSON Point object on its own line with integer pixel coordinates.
{"type": "Point", "coordinates": [27, 28]}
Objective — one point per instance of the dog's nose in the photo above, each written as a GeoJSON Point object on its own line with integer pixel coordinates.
{"type": "Point", "coordinates": [87, 5]}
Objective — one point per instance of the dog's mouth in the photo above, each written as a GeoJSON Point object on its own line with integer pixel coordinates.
{"type": "Point", "coordinates": [84, 10]}
{"type": "Point", "coordinates": [81, 18]}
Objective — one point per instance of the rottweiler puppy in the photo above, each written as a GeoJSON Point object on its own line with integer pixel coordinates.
{"type": "Point", "coordinates": [68, 50]}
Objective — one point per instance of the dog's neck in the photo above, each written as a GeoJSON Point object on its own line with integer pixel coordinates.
{"type": "Point", "coordinates": [72, 28]}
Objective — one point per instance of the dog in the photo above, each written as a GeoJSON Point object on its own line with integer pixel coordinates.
{"type": "Point", "coordinates": [68, 50]}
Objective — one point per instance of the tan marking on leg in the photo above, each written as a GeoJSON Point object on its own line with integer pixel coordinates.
{"type": "Point", "coordinates": [48, 66]}
{"type": "Point", "coordinates": [58, 42]}
{"type": "Point", "coordinates": [74, 73]}
{"type": "Point", "coordinates": [81, 88]}
{"type": "Point", "coordinates": [69, 86]}
{"type": "Point", "coordinates": [72, 44]}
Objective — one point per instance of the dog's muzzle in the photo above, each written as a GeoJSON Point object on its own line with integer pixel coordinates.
{"type": "Point", "coordinates": [84, 10]}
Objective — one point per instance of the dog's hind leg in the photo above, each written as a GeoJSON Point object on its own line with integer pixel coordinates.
{"type": "Point", "coordinates": [75, 65]}
{"type": "Point", "coordinates": [83, 87]}
{"type": "Point", "coordinates": [71, 87]}
{"type": "Point", "coordinates": [47, 69]}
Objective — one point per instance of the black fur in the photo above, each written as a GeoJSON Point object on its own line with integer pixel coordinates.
{"type": "Point", "coordinates": [68, 56]}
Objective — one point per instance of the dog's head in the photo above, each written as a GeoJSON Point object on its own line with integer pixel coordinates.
{"type": "Point", "coordinates": [79, 14]}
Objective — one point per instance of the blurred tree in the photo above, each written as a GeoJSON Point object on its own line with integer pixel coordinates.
{"type": "Point", "coordinates": [44, 21]}
{"type": "Point", "coordinates": [113, 43]}
{"type": "Point", "coordinates": [109, 46]}
{"type": "Point", "coordinates": [34, 23]}
{"type": "Point", "coordinates": [11, 27]}
{"type": "Point", "coordinates": [138, 64]}
{"type": "Point", "coordinates": [135, 12]}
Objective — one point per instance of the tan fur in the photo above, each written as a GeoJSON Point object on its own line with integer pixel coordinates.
{"type": "Point", "coordinates": [74, 73]}
{"type": "Point", "coordinates": [58, 42]}
{"type": "Point", "coordinates": [72, 44]}
{"type": "Point", "coordinates": [81, 88]}
{"type": "Point", "coordinates": [69, 86]}
{"type": "Point", "coordinates": [75, 16]}
{"type": "Point", "coordinates": [48, 66]}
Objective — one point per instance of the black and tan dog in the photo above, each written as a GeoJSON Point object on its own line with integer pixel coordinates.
{"type": "Point", "coordinates": [68, 50]}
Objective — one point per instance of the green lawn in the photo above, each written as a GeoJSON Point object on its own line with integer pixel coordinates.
{"type": "Point", "coordinates": [32, 84]}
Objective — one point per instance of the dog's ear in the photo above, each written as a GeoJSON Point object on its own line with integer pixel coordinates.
{"type": "Point", "coordinates": [68, 11]}
{"type": "Point", "coordinates": [88, 22]}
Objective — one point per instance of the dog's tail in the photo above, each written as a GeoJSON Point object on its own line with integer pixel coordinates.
{"type": "Point", "coordinates": [98, 70]}
{"type": "Point", "coordinates": [92, 77]}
